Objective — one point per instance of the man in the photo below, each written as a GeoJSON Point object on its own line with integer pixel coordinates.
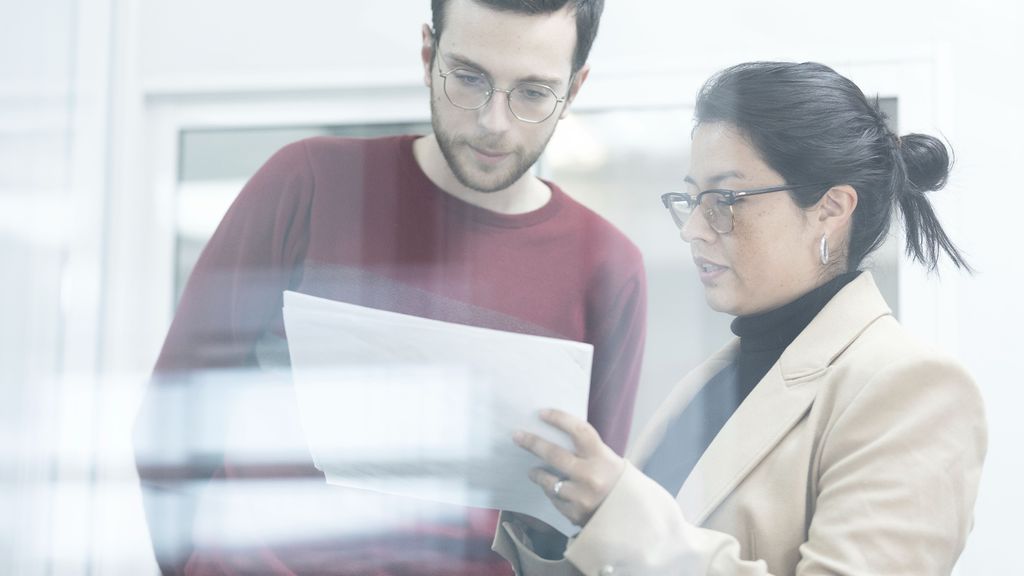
{"type": "Point", "coordinates": [451, 226]}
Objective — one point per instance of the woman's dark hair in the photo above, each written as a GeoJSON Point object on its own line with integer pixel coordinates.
{"type": "Point", "coordinates": [588, 17]}
{"type": "Point", "coordinates": [811, 124]}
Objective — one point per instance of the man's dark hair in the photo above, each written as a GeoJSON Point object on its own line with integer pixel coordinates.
{"type": "Point", "coordinates": [588, 17]}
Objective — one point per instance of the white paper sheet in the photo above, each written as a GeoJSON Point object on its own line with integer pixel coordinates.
{"type": "Point", "coordinates": [422, 408]}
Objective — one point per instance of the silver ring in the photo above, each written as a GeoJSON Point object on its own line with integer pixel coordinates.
{"type": "Point", "coordinates": [558, 488]}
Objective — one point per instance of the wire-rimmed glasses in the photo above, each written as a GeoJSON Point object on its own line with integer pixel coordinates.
{"type": "Point", "coordinates": [716, 204]}
{"type": "Point", "coordinates": [471, 89]}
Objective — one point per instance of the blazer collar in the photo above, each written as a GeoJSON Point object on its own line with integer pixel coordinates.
{"type": "Point", "coordinates": [838, 324]}
{"type": "Point", "coordinates": [774, 406]}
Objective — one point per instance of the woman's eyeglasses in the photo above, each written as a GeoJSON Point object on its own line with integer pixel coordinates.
{"type": "Point", "coordinates": [716, 204]}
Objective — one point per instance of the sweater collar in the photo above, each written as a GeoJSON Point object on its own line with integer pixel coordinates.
{"type": "Point", "coordinates": [776, 329]}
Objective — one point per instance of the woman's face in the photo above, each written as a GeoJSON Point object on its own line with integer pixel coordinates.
{"type": "Point", "coordinates": [771, 256]}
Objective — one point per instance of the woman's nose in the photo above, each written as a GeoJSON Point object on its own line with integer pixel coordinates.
{"type": "Point", "coordinates": [696, 227]}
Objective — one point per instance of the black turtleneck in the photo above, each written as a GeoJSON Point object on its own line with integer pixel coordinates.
{"type": "Point", "coordinates": [763, 338]}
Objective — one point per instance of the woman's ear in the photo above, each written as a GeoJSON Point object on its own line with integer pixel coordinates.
{"type": "Point", "coordinates": [835, 209]}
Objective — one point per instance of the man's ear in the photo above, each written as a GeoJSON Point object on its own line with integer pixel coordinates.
{"type": "Point", "coordinates": [577, 81]}
{"type": "Point", "coordinates": [427, 54]}
{"type": "Point", "coordinates": [835, 209]}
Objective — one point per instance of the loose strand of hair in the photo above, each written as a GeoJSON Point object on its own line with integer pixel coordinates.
{"type": "Point", "coordinates": [924, 233]}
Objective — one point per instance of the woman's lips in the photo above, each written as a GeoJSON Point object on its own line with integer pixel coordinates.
{"type": "Point", "coordinates": [709, 270]}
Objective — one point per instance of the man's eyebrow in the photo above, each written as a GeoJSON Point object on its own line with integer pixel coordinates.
{"type": "Point", "coordinates": [457, 60]}
{"type": "Point", "coordinates": [548, 81]}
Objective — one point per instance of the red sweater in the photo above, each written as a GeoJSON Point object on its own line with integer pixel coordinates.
{"type": "Point", "coordinates": [358, 221]}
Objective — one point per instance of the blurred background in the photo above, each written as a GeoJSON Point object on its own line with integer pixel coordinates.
{"type": "Point", "coordinates": [127, 127]}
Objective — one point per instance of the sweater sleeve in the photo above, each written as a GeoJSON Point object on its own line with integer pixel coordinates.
{"type": "Point", "coordinates": [233, 293]}
{"type": "Point", "coordinates": [235, 288]}
{"type": "Point", "coordinates": [618, 355]}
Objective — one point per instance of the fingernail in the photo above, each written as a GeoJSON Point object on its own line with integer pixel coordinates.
{"type": "Point", "coordinates": [518, 437]}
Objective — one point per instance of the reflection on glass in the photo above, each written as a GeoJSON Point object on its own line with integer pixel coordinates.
{"type": "Point", "coordinates": [226, 468]}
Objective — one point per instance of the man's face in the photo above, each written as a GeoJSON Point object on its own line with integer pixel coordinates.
{"type": "Point", "coordinates": [489, 149]}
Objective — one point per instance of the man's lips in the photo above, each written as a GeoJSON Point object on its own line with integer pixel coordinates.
{"type": "Point", "coordinates": [491, 155]}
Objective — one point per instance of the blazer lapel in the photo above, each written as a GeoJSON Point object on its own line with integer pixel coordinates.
{"type": "Point", "coordinates": [760, 422]}
{"type": "Point", "coordinates": [773, 407]}
{"type": "Point", "coordinates": [678, 398]}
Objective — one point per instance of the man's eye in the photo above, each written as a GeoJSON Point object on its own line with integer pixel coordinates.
{"type": "Point", "coordinates": [531, 93]}
{"type": "Point", "coordinates": [470, 79]}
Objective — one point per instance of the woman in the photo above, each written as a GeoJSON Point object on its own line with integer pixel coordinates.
{"type": "Point", "coordinates": [824, 440]}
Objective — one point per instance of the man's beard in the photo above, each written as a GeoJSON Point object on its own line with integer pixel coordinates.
{"type": "Point", "coordinates": [450, 146]}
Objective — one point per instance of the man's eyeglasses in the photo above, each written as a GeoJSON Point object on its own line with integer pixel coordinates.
{"type": "Point", "coordinates": [716, 204]}
{"type": "Point", "coordinates": [471, 90]}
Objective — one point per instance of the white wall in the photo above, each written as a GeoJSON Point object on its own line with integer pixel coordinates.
{"type": "Point", "coordinates": [986, 127]}
{"type": "Point", "coordinates": [189, 45]}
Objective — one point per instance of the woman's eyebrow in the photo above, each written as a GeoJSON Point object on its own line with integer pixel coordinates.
{"type": "Point", "coordinates": [717, 178]}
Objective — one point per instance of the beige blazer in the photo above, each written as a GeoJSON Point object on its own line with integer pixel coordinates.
{"type": "Point", "coordinates": [859, 453]}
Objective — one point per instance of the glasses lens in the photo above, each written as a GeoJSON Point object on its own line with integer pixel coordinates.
{"type": "Point", "coordinates": [680, 208]}
{"type": "Point", "coordinates": [532, 102]}
{"type": "Point", "coordinates": [466, 88]}
{"type": "Point", "coordinates": [717, 211]}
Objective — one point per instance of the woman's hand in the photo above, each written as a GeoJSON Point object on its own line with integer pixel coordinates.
{"type": "Point", "coordinates": [584, 478]}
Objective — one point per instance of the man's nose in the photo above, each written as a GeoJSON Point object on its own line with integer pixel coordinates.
{"type": "Point", "coordinates": [496, 116]}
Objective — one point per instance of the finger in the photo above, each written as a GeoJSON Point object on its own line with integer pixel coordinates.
{"type": "Point", "coordinates": [563, 501]}
{"type": "Point", "coordinates": [547, 481]}
{"type": "Point", "coordinates": [552, 454]}
{"type": "Point", "coordinates": [584, 437]}
{"type": "Point", "coordinates": [569, 509]}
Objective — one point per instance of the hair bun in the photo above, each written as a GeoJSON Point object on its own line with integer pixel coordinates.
{"type": "Point", "coordinates": [927, 160]}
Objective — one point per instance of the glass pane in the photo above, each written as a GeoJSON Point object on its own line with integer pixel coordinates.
{"type": "Point", "coordinates": [40, 102]}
